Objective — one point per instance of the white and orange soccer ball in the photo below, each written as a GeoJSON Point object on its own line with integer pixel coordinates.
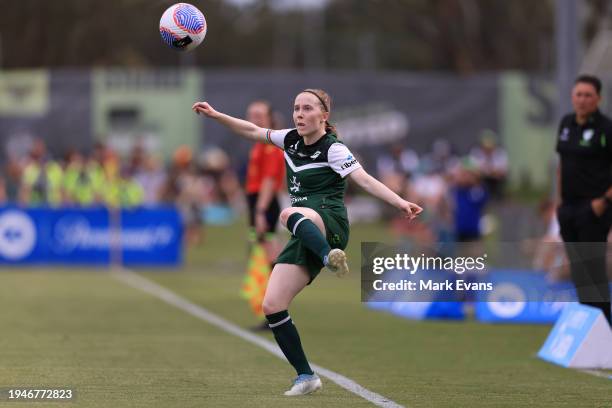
{"type": "Point", "coordinates": [183, 26]}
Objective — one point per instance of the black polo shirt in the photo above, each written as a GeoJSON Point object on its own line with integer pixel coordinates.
{"type": "Point", "coordinates": [586, 157]}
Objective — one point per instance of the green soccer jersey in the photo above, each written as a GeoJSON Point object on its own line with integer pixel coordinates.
{"type": "Point", "coordinates": [315, 173]}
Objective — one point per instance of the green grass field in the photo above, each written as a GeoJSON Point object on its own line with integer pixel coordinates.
{"type": "Point", "coordinates": [120, 347]}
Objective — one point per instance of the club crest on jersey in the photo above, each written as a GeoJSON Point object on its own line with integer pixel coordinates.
{"type": "Point", "coordinates": [295, 185]}
{"type": "Point", "coordinates": [587, 135]}
{"type": "Point", "coordinates": [564, 136]}
{"type": "Point", "coordinates": [293, 148]}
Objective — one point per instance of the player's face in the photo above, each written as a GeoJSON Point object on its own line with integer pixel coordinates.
{"type": "Point", "coordinates": [308, 115]}
{"type": "Point", "coordinates": [584, 99]}
{"type": "Point", "coordinates": [258, 113]}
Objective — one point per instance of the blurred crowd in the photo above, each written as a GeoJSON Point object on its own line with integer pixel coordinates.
{"type": "Point", "coordinates": [104, 178]}
{"type": "Point", "coordinates": [454, 190]}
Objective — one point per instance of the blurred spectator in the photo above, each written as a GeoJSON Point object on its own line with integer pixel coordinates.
{"type": "Point", "coordinates": [151, 177]}
{"type": "Point", "coordinates": [12, 179]}
{"type": "Point", "coordinates": [441, 156]}
{"type": "Point", "coordinates": [396, 167]}
{"type": "Point", "coordinates": [430, 189]}
{"type": "Point", "coordinates": [131, 193]}
{"type": "Point", "coordinates": [492, 163]}
{"type": "Point", "coordinates": [2, 190]}
{"type": "Point", "coordinates": [185, 188]}
{"type": "Point", "coordinates": [469, 197]}
{"type": "Point", "coordinates": [120, 190]}
{"type": "Point", "coordinates": [41, 180]}
{"type": "Point", "coordinates": [78, 187]}
{"type": "Point", "coordinates": [548, 250]}
{"type": "Point", "coordinates": [111, 172]}
{"type": "Point", "coordinates": [429, 186]}
{"type": "Point", "coordinates": [222, 184]}
{"type": "Point", "coordinates": [137, 158]}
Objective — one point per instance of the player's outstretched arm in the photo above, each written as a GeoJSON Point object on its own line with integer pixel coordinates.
{"type": "Point", "coordinates": [241, 127]}
{"type": "Point", "coordinates": [378, 189]}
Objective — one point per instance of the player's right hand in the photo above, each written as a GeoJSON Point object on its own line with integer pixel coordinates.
{"type": "Point", "coordinates": [205, 109]}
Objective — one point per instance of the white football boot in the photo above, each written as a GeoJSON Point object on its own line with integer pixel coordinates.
{"type": "Point", "coordinates": [304, 384]}
{"type": "Point", "coordinates": [336, 262]}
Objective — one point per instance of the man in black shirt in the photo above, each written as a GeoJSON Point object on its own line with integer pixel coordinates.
{"type": "Point", "coordinates": [584, 145]}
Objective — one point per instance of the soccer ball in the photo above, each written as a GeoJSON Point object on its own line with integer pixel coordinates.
{"type": "Point", "coordinates": [182, 27]}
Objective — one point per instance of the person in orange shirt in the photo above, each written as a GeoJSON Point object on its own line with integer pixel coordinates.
{"type": "Point", "coordinates": [265, 175]}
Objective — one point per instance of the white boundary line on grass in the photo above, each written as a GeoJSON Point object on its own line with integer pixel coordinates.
{"type": "Point", "coordinates": [138, 282]}
{"type": "Point", "coordinates": [596, 373]}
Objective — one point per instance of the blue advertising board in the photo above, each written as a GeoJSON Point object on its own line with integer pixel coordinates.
{"type": "Point", "coordinates": [569, 334]}
{"type": "Point", "coordinates": [430, 306]}
{"type": "Point", "coordinates": [523, 297]}
{"type": "Point", "coordinates": [83, 236]}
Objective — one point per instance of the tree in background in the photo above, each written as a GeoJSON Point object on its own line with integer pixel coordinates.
{"type": "Point", "coordinates": [463, 36]}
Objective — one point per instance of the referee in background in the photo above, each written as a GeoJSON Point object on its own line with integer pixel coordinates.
{"type": "Point", "coordinates": [584, 144]}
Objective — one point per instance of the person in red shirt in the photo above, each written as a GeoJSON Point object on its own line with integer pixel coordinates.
{"type": "Point", "coordinates": [265, 178]}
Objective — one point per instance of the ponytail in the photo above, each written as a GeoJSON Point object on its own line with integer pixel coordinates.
{"type": "Point", "coordinates": [329, 128]}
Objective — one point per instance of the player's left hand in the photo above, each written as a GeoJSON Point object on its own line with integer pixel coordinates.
{"type": "Point", "coordinates": [410, 210]}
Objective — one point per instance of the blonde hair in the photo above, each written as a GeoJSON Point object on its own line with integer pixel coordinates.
{"type": "Point", "coordinates": [325, 102]}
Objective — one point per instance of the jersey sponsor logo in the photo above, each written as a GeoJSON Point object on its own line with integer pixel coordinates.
{"type": "Point", "coordinates": [295, 185]}
{"type": "Point", "coordinates": [349, 161]}
{"type": "Point", "coordinates": [295, 199]}
{"type": "Point", "coordinates": [315, 154]}
{"type": "Point", "coordinates": [564, 136]}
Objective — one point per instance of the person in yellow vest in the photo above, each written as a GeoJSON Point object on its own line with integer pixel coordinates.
{"type": "Point", "coordinates": [131, 194]}
{"type": "Point", "coordinates": [41, 180]}
{"type": "Point", "coordinates": [97, 178]}
{"type": "Point", "coordinates": [111, 185]}
{"type": "Point", "coordinates": [78, 181]}
{"type": "Point", "coordinates": [120, 188]}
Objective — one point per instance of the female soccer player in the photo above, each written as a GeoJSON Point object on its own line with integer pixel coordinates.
{"type": "Point", "coordinates": [317, 164]}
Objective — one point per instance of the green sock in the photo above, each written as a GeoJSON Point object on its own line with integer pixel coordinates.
{"type": "Point", "coordinates": [288, 340]}
{"type": "Point", "coordinates": [309, 234]}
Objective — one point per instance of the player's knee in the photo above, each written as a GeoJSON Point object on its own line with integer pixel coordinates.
{"type": "Point", "coordinates": [285, 214]}
{"type": "Point", "coordinates": [270, 306]}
